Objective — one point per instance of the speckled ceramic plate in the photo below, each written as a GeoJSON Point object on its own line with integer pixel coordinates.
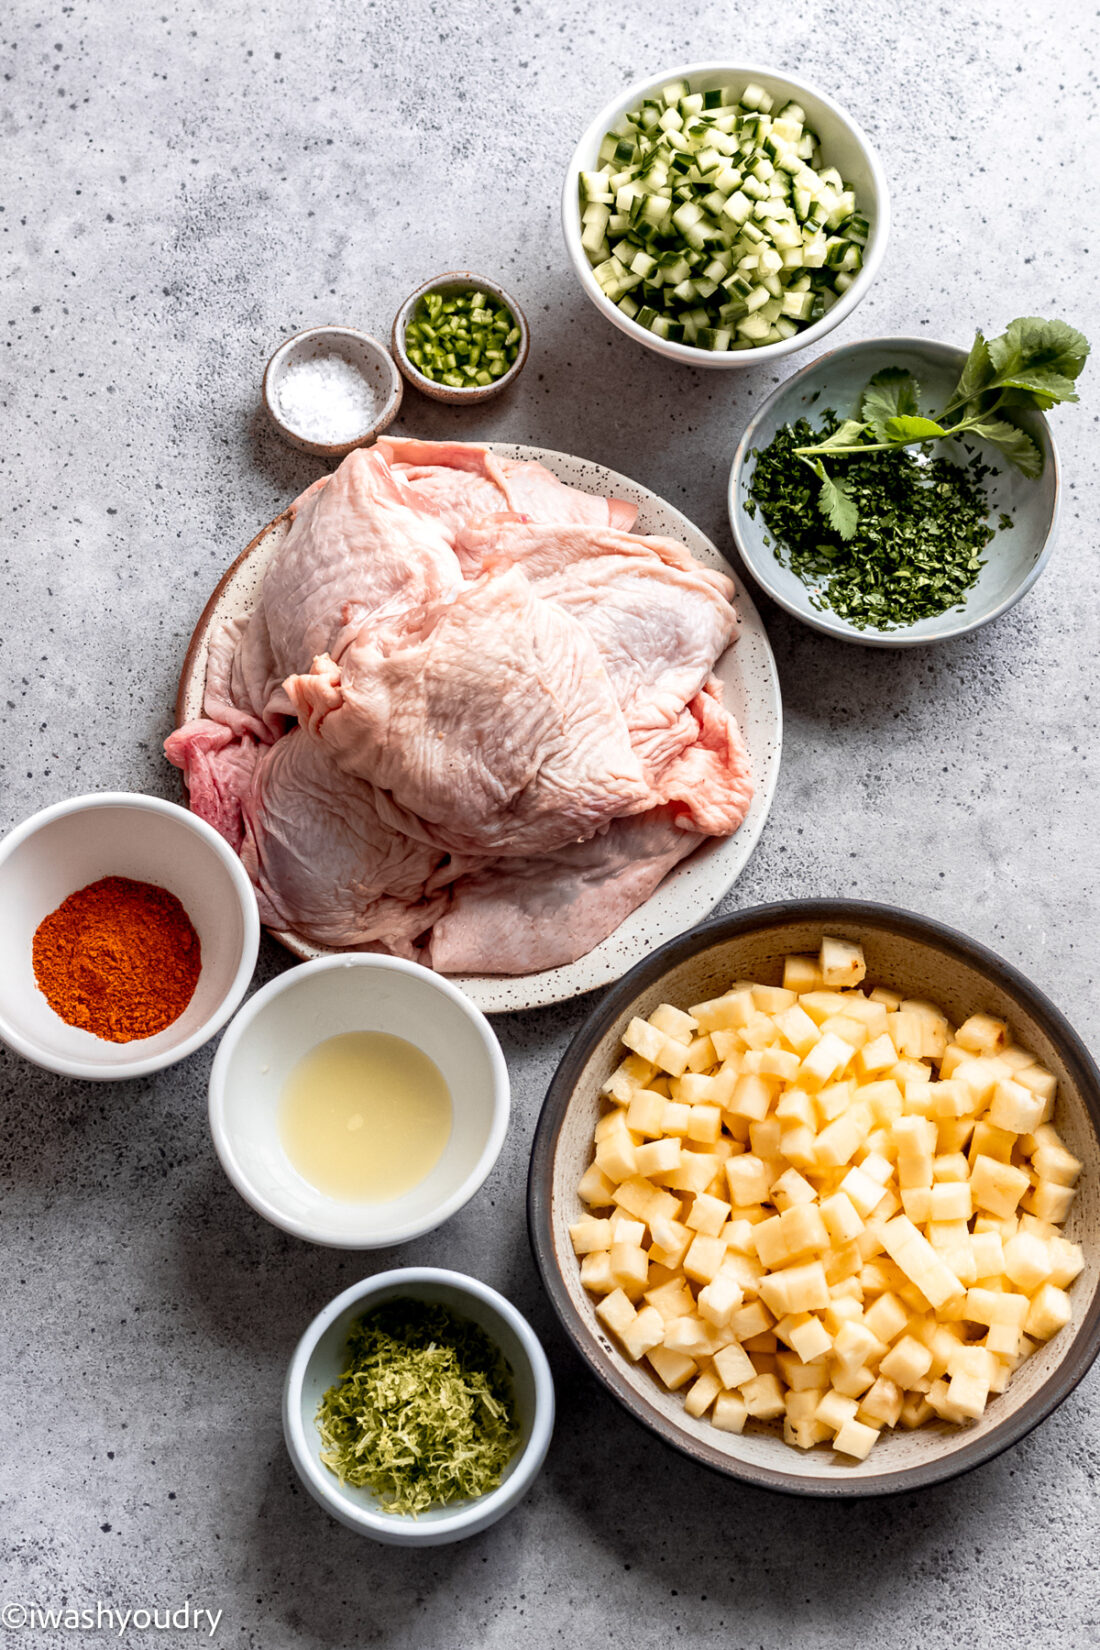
{"type": "Point", "coordinates": [694, 887]}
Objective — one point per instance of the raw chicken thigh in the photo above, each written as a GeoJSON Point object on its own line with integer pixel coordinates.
{"type": "Point", "coordinates": [473, 717]}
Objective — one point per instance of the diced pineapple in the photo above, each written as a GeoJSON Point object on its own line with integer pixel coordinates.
{"type": "Point", "coordinates": [882, 1404]}
{"type": "Point", "coordinates": [1049, 1201]}
{"type": "Point", "coordinates": [645, 1201]}
{"type": "Point", "coordinates": [730, 1412]}
{"type": "Point", "coordinates": [616, 1312]}
{"type": "Point", "coordinates": [1067, 1261]}
{"type": "Point", "coordinates": [1050, 1310]}
{"type": "Point", "coordinates": [886, 1318]}
{"type": "Point", "coordinates": [997, 1186]}
{"type": "Point", "coordinates": [1015, 1108]}
{"type": "Point", "coordinates": [841, 962]}
{"type": "Point", "coordinates": [596, 1272]}
{"type": "Point", "coordinates": [1053, 1162]}
{"type": "Point", "coordinates": [702, 1394]}
{"type": "Point", "coordinates": [704, 1258]}
{"type": "Point", "coordinates": [629, 1265]}
{"type": "Point", "coordinates": [673, 1368]}
{"type": "Point", "coordinates": [674, 1023]}
{"type": "Point", "coordinates": [968, 1395]}
{"type": "Point", "coordinates": [798, 1029]}
{"type": "Point", "coordinates": [595, 1188]}
{"type": "Point", "coordinates": [763, 1398]}
{"type": "Point", "coordinates": [982, 1034]}
{"type": "Point", "coordinates": [719, 1299]}
{"type": "Point", "coordinates": [589, 1235]}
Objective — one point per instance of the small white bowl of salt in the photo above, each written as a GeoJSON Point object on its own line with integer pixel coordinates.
{"type": "Point", "coordinates": [330, 389]}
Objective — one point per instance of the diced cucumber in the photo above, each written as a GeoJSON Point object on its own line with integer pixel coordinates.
{"type": "Point", "coordinates": [709, 219]}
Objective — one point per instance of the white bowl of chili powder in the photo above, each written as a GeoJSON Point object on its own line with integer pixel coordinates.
{"type": "Point", "coordinates": [131, 934]}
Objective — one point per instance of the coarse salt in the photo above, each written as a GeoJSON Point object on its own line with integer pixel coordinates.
{"type": "Point", "coordinates": [325, 399]}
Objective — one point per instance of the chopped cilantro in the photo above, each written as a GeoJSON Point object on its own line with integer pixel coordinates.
{"type": "Point", "coordinates": [918, 538]}
{"type": "Point", "coordinates": [424, 1414]}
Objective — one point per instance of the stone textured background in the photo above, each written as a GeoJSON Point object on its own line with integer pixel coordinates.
{"type": "Point", "coordinates": [181, 187]}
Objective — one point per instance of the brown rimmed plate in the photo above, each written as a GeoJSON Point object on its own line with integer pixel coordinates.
{"type": "Point", "coordinates": [923, 958]}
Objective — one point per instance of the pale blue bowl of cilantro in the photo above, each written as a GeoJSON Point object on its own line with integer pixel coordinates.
{"type": "Point", "coordinates": [901, 546]}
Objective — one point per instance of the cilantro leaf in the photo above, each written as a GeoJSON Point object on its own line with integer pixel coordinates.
{"type": "Point", "coordinates": [1042, 381]}
{"type": "Point", "coordinates": [1017, 447]}
{"type": "Point", "coordinates": [976, 374]}
{"type": "Point", "coordinates": [912, 429]}
{"type": "Point", "coordinates": [892, 393]}
{"type": "Point", "coordinates": [836, 503]}
{"type": "Point", "coordinates": [1030, 343]}
{"type": "Point", "coordinates": [846, 435]}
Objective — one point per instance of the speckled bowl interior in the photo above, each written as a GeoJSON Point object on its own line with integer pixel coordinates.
{"type": "Point", "coordinates": [903, 951]}
{"type": "Point", "coordinates": [1017, 553]}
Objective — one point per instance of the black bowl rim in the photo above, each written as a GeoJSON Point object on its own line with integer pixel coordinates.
{"type": "Point", "coordinates": [897, 920]}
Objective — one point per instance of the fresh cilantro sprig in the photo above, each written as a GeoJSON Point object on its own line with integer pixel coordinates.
{"type": "Point", "coordinates": [1034, 363]}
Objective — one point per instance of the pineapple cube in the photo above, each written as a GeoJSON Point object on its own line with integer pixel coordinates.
{"type": "Point", "coordinates": [914, 1141]}
{"type": "Point", "coordinates": [763, 1398]}
{"type": "Point", "coordinates": [673, 1368]}
{"type": "Point", "coordinates": [919, 1261]}
{"type": "Point", "coordinates": [645, 1113]}
{"type": "Point", "coordinates": [876, 1056]}
{"type": "Point", "coordinates": [1039, 1081]}
{"type": "Point", "coordinates": [733, 1365]}
{"type": "Point", "coordinates": [886, 1318]}
{"type": "Point", "coordinates": [633, 1073]}
{"type": "Point", "coordinates": [778, 1062]}
{"type": "Point", "coordinates": [672, 1299]}
{"type": "Point", "coordinates": [752, 1097]}
{"type": "Point", "coordinates": [807, 1336]}
{"type": "Point", "coordinates": [882, 1405]}
{"type": "Point", "coordinates": [1048, 1201]}
{"type": "Point", "coordinates": [726, 1013]}
{"type": "Point", "coordinates": [589, 1235]}
{"type": "Point", "coordinates": [719, 1299]}
{"type": "Point", "coordinates": [791, 1189]}
{"type": "Point", "coordinates": [702, 1054]}
{"type": "Point", "coordinates": [989, 1141]}
{"type": "Point", "coordinates": [629, 1265]}
{"type": "Point", "coordinates": [795, 1289]}
{"type": "Point", "coordinates": [917, 1203]}
{"type": "Point", "coordinates": [670, 1241]}
{"type": "Point", "coordinates": [855, 1347]}
{"type": "Point", "coordinates": [626, 1230]}
{"type": "Point", "coordinates": [1015, 1108]}
{"type": "Point", "coordinates": [988, 1251]}
{"type": "Point", "coordinates": [835, 1409]}
{"type": "Point", "coordinates": [773, 999]}
{"type": "Point", "coordinates": [676, 1118]}
{"type": "Point", "coordinates": [694, 1088]}
{"type": "Point", "coordinates": [1050, 1311]}
{"type": "Point", "coordinates": [950, 1200]}
{"type": "Point", "coordinates": [749, 1180]}
{"type": "Point", "coordinates": [645, 1201]}
{"type": "Point", "coordinates": [950, 1165]}
{"type": "Point", "coordinates": [644, 1040]}
{"type": "Point", "coordinates": [674, 1023]}
{"type": "Point", "coordinates": [596, 1272]}
{"type": "Point", "coordinates": [702, 1394]}
{"type": "Point", "coordinates": [915, 1411]}
{"type": "Point", "coordinates": [803, 1377]}
{"type": "Point", "coordinates": [730, 1412]}
{"type": "Point", "coordinates": [801, 973]}
{"type": "Point", "coordinates": [704, 1258]}
{"type": "Point", "coordinates": [1067, 1261]}
{"type": "Point", "coordinates": [1027, 1262]}
{"type": "Point", "coordinates": [802, 1406]}
{"type": "Point", "coordinates": [749, 1320]}
{"type": "Point", "coordinates": [1053, 1162]}
{"type": "Point", "coordinates": [982, 1034]}
{"type": "Point", "coordinates": [990, 1306]}
{"type": "Point", "coordinates": [862, 1190]}
{"type": "Point", "coordinates": [840, 1216]}
{"type": "Point", "coordinates": [616, 1312]}
{"type": "Point", "coordinates": [692, 1336]}
{"type": "Point", "coordinates": [839, 1141]}
{"type": "Point", "coordinates": [705, 1123]}
{"type": "Point", "coordinates": [906, 1031]}
{"type": "Point", "coordinates": [906, 1362]}
{"type": "Point", "coordinates": [595, 1188]}
{"type": "Point", "coordinates": [967, 1396]}
{"type": "Point", "coordinates": [641, 1336]}
{"type": "Point", "coordinates": [672, 1057]}
{"type": "Point", "coordinates": [707, 1214]}
{"type": "Point", "coordinates": [1003, 1340]}
{"type": "Point", "coordinates": [797, 1029]}
{"type": "Point", "coordinates": [658, 1157]}
{"type": "Point", "coordinates": [828, 1059]}
{"type": "Point", "coordinates": [997, 1186]}
{"type": "Point", "coordinates": [856, 1439]}
{"type": "Point", "coordinates": [841, 962]}
{"type": "Point", "coordinates": [848, 1028]}
{"type": "Point", "coordinates": [696, 1171]}
{"type": "Point", "coordinates": [615, 1155]}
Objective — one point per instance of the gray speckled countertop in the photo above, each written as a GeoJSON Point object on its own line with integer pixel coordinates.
{"type": "Point", "coordinates": [181, 187]}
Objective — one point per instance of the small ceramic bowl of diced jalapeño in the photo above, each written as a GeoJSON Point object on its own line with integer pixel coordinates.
{"type": "Point", "coordinates": [460, 338]}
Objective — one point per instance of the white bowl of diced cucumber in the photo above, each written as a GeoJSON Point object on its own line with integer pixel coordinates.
{"type": "Point", "coordinates": [724, 214]}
